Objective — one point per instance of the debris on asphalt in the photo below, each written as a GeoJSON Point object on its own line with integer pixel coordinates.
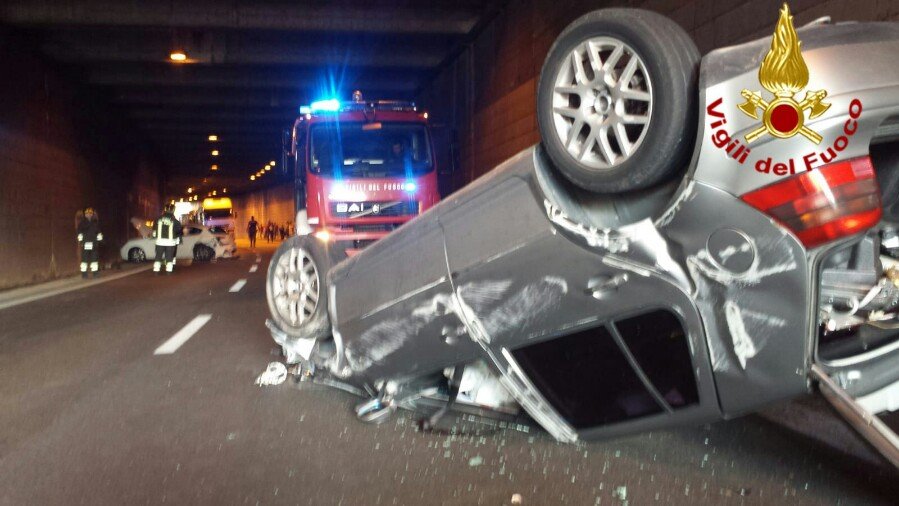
{"type": "Point", "coordinates": [274, 374]}
{"type": "Point", "coordinates": [621, 494]}
{"type": "Point", "coordinates": [516, 498]}
{"type": "Point", "coordinates": [475, 461]}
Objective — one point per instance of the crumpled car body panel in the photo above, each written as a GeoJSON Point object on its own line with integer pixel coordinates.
{"type": "Point", "coordinates": [520, 259]}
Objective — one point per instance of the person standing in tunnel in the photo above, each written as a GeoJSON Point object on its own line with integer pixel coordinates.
{"type": "Point", "coordinates": [252, 228]}
{"type": "Point", "coordinates": [167, 231]}
{"type": "Point", "coordinates": [89, 236]}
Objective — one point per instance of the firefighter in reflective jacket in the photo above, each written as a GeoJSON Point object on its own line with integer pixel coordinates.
{"type": "Point", "coordinates": [167, 231]}
{"type": "Point", "coordinates": [89, 236]}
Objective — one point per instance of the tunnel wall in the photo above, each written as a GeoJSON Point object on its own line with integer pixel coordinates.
{"type": "Point", "coordinates": [61, 150]}
{"type": "Point", "coordinates": [275, 203]}
{"type": "Point", "coordinates": [487, 94]}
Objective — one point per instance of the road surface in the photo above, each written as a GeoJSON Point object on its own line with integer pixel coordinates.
{"type": "Point", "coordinates": [140, 391]}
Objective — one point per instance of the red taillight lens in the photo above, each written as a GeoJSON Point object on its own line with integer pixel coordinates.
{"type": "Point", "coordinates": [823, 204]}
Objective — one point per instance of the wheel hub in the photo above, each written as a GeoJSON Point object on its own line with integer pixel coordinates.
{"type": "Point", "coordinates": [602, 104]}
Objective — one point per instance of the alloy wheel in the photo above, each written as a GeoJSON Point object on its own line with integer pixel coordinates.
{"type": "Point", "coordinates": [296, 286]}
{"type": "Point", "coordinates": [602, 102]}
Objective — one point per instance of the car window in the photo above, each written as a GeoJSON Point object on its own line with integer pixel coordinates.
{"type": "Point", "coordinates": [194, 231]}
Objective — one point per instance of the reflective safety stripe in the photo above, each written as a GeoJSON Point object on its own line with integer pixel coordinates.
{"type": "Point", "coordinates": [83, 266]}
{"type": "Point", "coordinates": [165, 232]}
{"type": "Point", "coordinates": [169, 267]}
{"type": "Point", "coordinates": [95, 266]}
{"type": "Point", "coordinates": [88, 246]}
{"type": "Point", "coordinates": [156, 266]}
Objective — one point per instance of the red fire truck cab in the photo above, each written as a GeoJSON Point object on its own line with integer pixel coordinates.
{"type": "Point", "coordinates": [362, 169]}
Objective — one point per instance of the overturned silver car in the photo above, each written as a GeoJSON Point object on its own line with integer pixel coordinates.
{"type": "Point", "coordinates": [635, 270]}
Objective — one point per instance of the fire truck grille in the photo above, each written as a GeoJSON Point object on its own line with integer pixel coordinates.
{"type": "Point", "coordinates": [373, 209]}
{"type": "Point", "coordinates": [386, 227]}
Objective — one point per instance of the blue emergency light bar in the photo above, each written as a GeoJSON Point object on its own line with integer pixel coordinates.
{"type": "Point", "coordinates": [329, 105]}
{"type": "Point", "coordinates": [334, 105]}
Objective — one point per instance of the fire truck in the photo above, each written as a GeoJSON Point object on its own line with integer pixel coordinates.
{"type": "Point", "coordinates": [362, 169]}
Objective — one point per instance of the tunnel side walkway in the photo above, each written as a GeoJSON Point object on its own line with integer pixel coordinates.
{"type": "Point", "coordinates": [23, 295]}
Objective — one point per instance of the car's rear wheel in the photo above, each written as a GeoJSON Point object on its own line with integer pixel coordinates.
{"type": "Point", "coordinates": [137, 255]}
{"type": "Point", "coordinates": [616, 101]}
{"type": "Point", "coordinates": [203, 253]}
{"type": "Point", "coordinates": [296, 290]}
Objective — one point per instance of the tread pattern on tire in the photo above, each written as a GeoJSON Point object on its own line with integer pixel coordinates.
{"type": "Point", "coordinates": [661, 154]}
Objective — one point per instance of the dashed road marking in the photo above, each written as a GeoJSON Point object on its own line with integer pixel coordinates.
{"type": "Point", "coordinates": [254, 268]}
{"type": "Point", "coordinates": [237, 286]}
{"type": "Point", "coordinates": [181, 337]}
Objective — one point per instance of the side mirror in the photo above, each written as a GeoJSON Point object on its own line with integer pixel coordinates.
{"type": "Point", "coordinates": [286, 149]}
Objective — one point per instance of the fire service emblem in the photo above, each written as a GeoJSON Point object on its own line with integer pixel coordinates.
{"type": "Point", "coordinates": [784, 73]}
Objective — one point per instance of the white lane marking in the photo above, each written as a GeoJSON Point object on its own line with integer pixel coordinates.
{"type": "Point", "coordinates": [33, 293]}
{"type": "Point", "coordinates": [254, 268]}
{"type": "Point", "coordinates": [237, 286]}
{"type": "Point", "coordinates": [258, 259]}
{"type": "Point", "coordinates": [181, 337]}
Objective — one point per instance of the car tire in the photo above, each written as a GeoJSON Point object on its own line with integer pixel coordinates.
{"type": "Point", "coordinates": [296, 287]}
{"type": "Point", "coordinates": [203, 253]}
{"type": "Point", "coordinates": [617, 100]}
{"type": "Point", "coordinates": [137, 255]}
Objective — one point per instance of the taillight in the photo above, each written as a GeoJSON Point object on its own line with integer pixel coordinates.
{"type": "Point", "coordinates": [823, 204]}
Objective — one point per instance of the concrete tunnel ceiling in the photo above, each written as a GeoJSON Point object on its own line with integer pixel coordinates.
{"type": "Point", "coordinates": [250, 65]}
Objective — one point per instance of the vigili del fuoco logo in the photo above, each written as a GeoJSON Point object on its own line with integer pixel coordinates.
{"type": "Point", "coordinates": [784, 74]}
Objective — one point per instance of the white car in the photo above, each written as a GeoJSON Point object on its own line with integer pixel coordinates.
{"type": "Point", "coordinates": [199, 243]}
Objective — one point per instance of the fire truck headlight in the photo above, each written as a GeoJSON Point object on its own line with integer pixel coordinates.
{"type": "Point", "coordinates": [322, 235]}
{"type": "Point", "coordinates": [410, 187]}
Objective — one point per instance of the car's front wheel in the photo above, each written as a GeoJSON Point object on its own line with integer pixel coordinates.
{"type": "Point", "coordinates": [137, 255]}
{"type": "Point", "coordinates": [296, 290]}
{"type": "Point", "coordinates": [616, 101]}
{"type": "Point", "coordinates": [203, 253]}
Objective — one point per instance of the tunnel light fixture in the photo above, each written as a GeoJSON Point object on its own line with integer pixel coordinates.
{"type": "Point", "coordinates": [272, 163]}
{"type": "Point", "coordinates": [215, 192]}
{"type": "Point", "coordinates": [252, 178]}
{"type": "Point", "coordinates": [213, 138]}
{"type": "Point", "coordinates": [214, 167]}
{"type": "Point", "coordinates": [268, 168]}
{"type": "Point", "coordinates": [190, 190]}
{"type": "Point", "coordinates": [178, 56]}
{"type": "Point", "coordinates": [224, 190]}
{"type": "Point", "coordinates": [215, 152]}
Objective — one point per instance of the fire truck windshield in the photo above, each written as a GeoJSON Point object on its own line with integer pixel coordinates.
{"type": "Point", "coordinates": [376, 150]}
{"type": "Point", "coordinates": [217, 213]}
